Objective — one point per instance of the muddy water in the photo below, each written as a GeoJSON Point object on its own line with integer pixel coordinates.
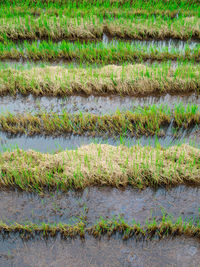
{"type": "Point", "coordinates": [159, 44]}
{"type": "Point", "coordinates": [105, 252]}
{"type": "Point", "coordinates": [52, 144]}
{"type": "Point", "coordinates": [28, 64]}
{"type": "Point", "coordinates": [94, 202]}
{"type": "Point", "coordinates": [91, 104]}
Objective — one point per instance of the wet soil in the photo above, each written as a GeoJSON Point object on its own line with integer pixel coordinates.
{"type": "Point", "coordinates": [91, 104]}
{"type": "Point", "coordinates": [105, 252]}
{"type": "Point", "coordinates": [93, 202]}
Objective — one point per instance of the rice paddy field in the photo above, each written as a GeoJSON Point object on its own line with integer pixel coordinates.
{"type": "Point", "coordinates": [99, 133]}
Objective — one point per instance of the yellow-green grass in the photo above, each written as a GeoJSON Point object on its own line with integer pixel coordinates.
{"type": "Point", "coordinates": [138, 79]}
{"type": "Point", "coordinates": [170, 8]}
{"type": "Point", "coordinates": [148, 120]}
{"type": "Point", "coordinates": [91, 52]}
{"type": "Point", "coordinates": [101, 11]}
{"type": "Point", "coordinates": [100, 165]}
{"type": "Point", "coordinates": [93, 27]}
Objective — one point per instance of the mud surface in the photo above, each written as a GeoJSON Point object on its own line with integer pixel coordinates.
{"type": "Point", "coordinates": [91, 104]}
{"type": "Point", "coordinates": [94, 202]}
{"type": "Point", "coordinates": [105, 252]}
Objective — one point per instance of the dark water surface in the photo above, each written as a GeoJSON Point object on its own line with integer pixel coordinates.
{"type": "Point", "coordinates": [54, 144]}
{"type": "Point", "coordinates": [111, 252]}
{"type": "Point", "coordinates": [94, 202]}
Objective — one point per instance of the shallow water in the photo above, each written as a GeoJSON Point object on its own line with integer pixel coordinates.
{"type": "Point", "coordinates": [52, 144]}
{"type": "Point", "coordinates": [91, 104]}
{"type": "Point", "coordinates": [105, 252]}
{"type": "Point", "coordinates": [94, 202]}
{"type": "Point", "coordinates": [159, 44]}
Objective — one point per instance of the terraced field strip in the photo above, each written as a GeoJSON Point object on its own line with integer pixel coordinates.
{"type": "Point", "coordinates": [100, 165]}
{"type": "Point", "coordinates": [164, 228]}
{"type": "Point", "coordinates": [93, 52]}
{"type": "Point", "coordinates": [183, 7]}
{"type": "Point", "coordinates": [148, 120]}
{"type": "Point", "coordinates": [101, 8]}
{"type": "Point", "coordinates": [93, 27]}
{"type": "Point", "coordinates": [134, 80]}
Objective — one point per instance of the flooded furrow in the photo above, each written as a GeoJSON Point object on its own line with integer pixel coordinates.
{"type": "Point", "coordinates": [91, 104]}
{"type": "Point", "coordinates": [158, 44]}
{"type": "Point", "coordinates": [93, 202]}
{"type": "Point", "coordinates": [54, 144]}
{"type": "Point", "coordinates": [106, 39]}
{"type": "Point", "coordinates": [114, 252]}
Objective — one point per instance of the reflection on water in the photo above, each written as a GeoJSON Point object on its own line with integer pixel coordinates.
{"type": "Point", "coordinates": [91, 104]}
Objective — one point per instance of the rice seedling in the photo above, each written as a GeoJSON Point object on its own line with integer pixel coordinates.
{"type": "Point", "coordinates": [93, 27]}
{"type": "Point", "coordinates": [148, 120]}
{"type": "Point", "coordinates": [95, 164]}
{"type": "Point", "coordinates": [108, 7]}
{"type": "Point", "coordinates": [79, 33]}
{"type": "Point", "coordinates": [165, 228]}
{"type": "Point", "coordinates": [138, 80]}
{"type": "Point", "coordinates": [93, 52]}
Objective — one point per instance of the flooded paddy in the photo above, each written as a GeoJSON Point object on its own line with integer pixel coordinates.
{"type": "Point", "coordinates": [159, 44]}
{"type": "Point", "coordinates": [52, 144]}
{"type": "Point", "coordinates": [94, 202]}
{"type": "Point", "coordinates": [105, 252]}
{"type": "Point", "coordinates": [170, 43]}
{"type": "Point", "coordinates": [91, 104]}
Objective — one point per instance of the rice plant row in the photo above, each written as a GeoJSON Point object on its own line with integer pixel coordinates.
{"type": "Point", "coordinates": [105, 7]}
{"type": "Point", "coordinates": [93, 27]}
{"type": "Point", "coordinates": [148, 120]}
{"type": "Point", "coordinates": [100, 165]}
{"type": "Point", "coordinates": [128, 79]}
{"type": "Point", "coordinates": [164, 228]}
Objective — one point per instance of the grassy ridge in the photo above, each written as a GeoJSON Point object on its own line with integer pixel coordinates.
{"type": "Point", "coordinates": [148, 121]}
{"type": "Point", "coordinates": [94, 52]}
{"type": "Point", "coordinates": [106, 227]}
{"type": "Point", "coordinates": [100, 165]}
{"type": "Point", "coordinates": [105, 12]}
{"type": "Point", "coordinates": [64, 27]}
{"type": "Point", "coordinates": [138, 79]}
{"type": "Point", "coordinates": [148, 4]}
